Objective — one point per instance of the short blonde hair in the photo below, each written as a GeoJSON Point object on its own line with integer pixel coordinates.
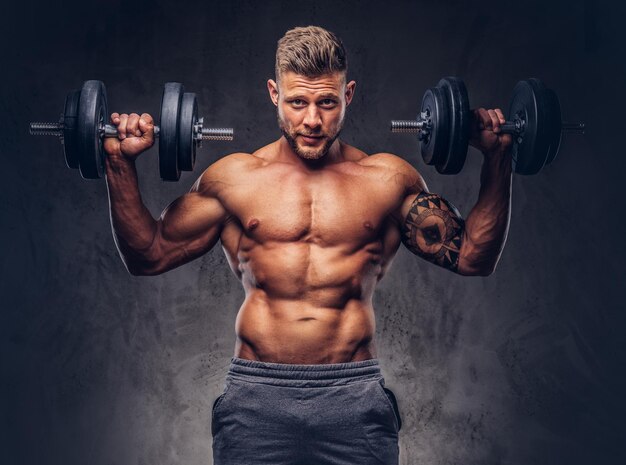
{"type": "Point", "coordinates": [310, 51]}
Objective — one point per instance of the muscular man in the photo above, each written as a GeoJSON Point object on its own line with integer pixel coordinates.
{"type": "Point", "coordinates": [309, 225]}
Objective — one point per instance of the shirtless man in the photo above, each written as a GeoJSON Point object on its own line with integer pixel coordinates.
{"type": "Point", "coordinates": [309, 225]}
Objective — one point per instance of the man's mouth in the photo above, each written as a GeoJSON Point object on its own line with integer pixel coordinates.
{"type": "Point", "coordinates": [311, 139]}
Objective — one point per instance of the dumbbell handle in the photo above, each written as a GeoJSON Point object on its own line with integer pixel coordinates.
{"type": "Point", "coordinates": [509, 127]}
{"type": "Point", "coordinates": [108, 130]}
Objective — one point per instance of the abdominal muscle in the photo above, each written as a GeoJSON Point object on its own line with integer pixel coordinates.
{"type": "Point", "coordinates": [299, 311]}
{"type": "Point", "coordinates": [297, 332]}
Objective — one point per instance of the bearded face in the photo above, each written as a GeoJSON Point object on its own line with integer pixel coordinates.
{"type": "Point", "coordinates": [306, 143]}
{"type": "Point", "coordinates": [311, 111]}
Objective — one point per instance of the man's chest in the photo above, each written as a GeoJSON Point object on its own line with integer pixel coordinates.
{"type": "Point", "coordinates": [327, 208]}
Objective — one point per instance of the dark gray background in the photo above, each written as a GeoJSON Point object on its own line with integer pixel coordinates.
{"type": "Point", "coordinates": [523, 367]}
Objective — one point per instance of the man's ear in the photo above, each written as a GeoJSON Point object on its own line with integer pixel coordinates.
{"type": "Point", "coordinates": [350, 87]}
{"type": "Point", "coordinates": [272, 88]}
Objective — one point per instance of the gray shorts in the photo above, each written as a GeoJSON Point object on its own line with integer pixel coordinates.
{"type": "Point", "coordinates": [274, 413]}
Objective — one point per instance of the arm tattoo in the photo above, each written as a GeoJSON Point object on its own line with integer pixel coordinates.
{"type": "Point", "coordinates": [433, 229]}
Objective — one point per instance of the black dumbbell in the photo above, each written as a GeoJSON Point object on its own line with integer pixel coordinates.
{"type": "Point", "coordinates": [443, 126]}
{"type": "Point", "coordinates": [82, 128]}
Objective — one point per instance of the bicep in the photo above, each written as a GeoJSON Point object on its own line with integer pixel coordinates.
{"type": "Point", "coordinates": [188, 228]}
{"type": "Point", "coordinates": [192, 217]}
{"type": "Point", "coordinates": [433, 229]}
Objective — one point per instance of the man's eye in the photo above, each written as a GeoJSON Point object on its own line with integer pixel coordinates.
{"type": "Point", "coordinates": [327, 102]}
{"type": "Point", "coordinates": [297, 102]}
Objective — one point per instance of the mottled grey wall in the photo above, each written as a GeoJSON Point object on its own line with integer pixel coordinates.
{"type": "Point", "coordinates": [523, 367]}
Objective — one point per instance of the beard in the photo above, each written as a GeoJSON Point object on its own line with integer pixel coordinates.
{"type": "Point", "coordinates": [309, 153]}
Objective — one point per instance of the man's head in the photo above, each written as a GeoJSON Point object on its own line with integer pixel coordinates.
{"type": "Point", "coordinates": [310, 91]}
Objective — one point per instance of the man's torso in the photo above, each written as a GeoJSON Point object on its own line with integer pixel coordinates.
{"type": "Point", "coordinates": [309, 246]}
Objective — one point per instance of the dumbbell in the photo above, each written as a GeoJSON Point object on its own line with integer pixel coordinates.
{"type": "Point", "coordinates": [82, 128]}
{"type": "Point", "coordinates": [443, 126]}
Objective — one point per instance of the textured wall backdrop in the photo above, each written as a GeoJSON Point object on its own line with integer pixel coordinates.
{"type": "Point", "coordinates": [523, 367]}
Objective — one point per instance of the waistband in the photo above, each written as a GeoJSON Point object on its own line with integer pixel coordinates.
{"type": "Point", "coordinates": [284, 374]}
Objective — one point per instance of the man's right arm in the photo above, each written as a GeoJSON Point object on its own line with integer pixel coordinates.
{"type": "Point", "coordinates": [188, 228]}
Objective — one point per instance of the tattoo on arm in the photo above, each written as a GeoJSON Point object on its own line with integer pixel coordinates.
{"type": "Point", "coordinates": [433, 229]}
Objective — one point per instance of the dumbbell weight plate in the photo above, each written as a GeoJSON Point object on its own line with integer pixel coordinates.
{"type": "Point", "coordinates": [555, 124]}
{"type": "Point", "coordinates": [529, 102]}
{"type": "Point", "coordinates": [70, 140]}
{"type": "Point", "coordinates": [434, 147]}
{"type": "Point", "coordinates": [168, 133]}
{"type": "Point", "coordinates": [92, 112]}
{"type": "Point", "coordinates": [459, 122]}
{"type": "Point", "coordinates": [186, 142]}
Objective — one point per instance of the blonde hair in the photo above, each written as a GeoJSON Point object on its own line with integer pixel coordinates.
{"type": "Point", "coordinates": [310, 51]}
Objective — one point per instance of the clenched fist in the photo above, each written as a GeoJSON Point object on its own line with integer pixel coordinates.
{"type": "Point", "coordinates": [135, 134]}
{"type": "Point", "coordinates": [485, 133]}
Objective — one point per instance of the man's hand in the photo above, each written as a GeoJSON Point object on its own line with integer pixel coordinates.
{"type": "Point", "coordinates": [485, 132]}
{"type": "Point", "coordinates": [135, 134]}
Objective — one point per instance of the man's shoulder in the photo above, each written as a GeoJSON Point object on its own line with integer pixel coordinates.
{"type": "Point", "coordinates": [230, 164]}
{"type": "Point", "coordinates": [224, 171]}
{"type": "Point", "coordinates": [394, 169]}
{"type": "Point", "coordinates": [392, 163]}
{"type": "Point", "coordinates": [386, 160]}
{"type": "Point", "coordinates": [241, 161]}
{"type": "Point", "coordinates": [382, 159]}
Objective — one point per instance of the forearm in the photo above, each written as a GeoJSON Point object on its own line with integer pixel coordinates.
{"type": "Point", "coordinates": [487, 225]}
{"type": "Point", "coordinates": [134, 228]}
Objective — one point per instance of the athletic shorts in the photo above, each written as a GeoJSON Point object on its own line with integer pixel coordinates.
{"type": "Point", "coordinates": [275, 413]}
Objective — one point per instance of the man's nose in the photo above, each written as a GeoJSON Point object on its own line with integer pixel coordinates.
{"type": "Point", "coordinates": [312, 118]}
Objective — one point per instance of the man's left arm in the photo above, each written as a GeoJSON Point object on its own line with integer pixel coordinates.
{"type": "Point", "coordinates": [433, 228]}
